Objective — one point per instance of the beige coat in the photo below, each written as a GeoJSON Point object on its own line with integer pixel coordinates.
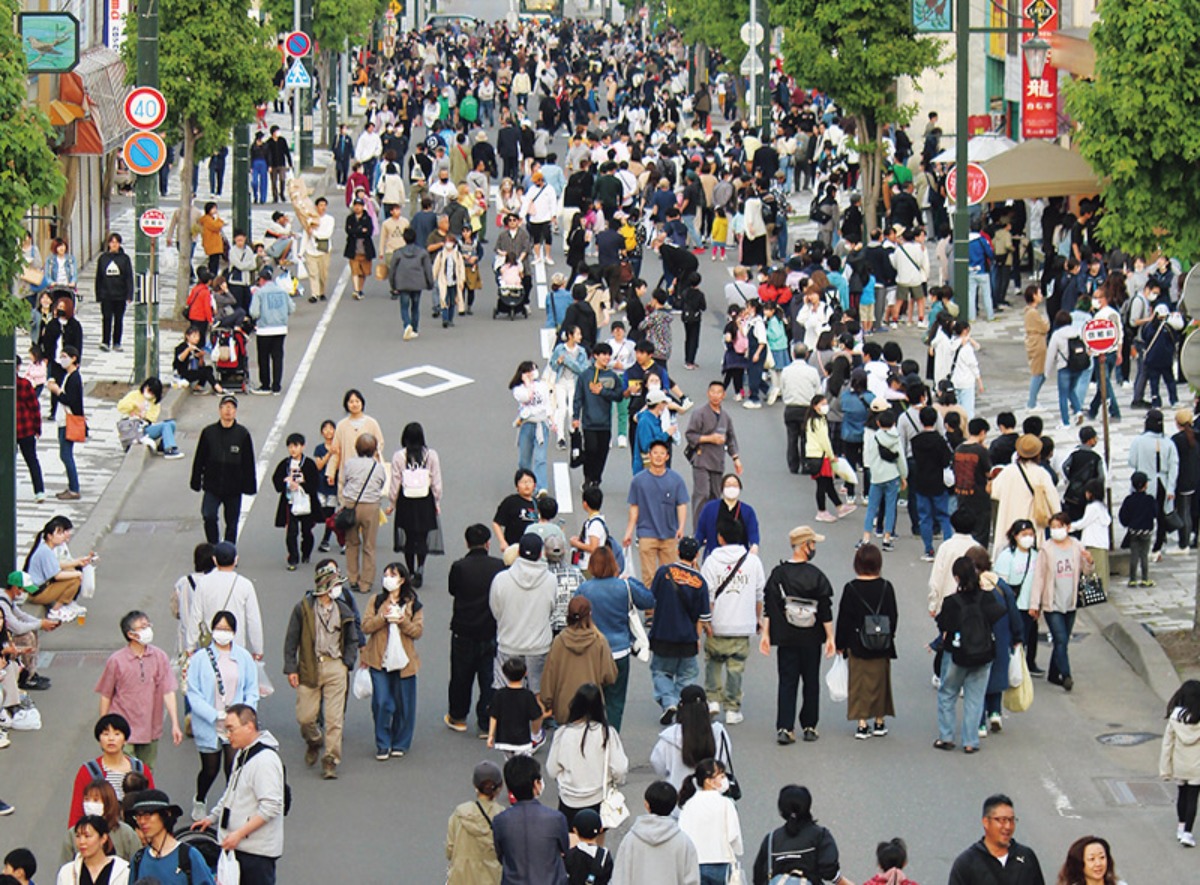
{"type": "Point", "coordinates": [376, 627]}
{"type": "Point", "coordinates": [1036, 327]}
{"type": "Point", "coordinates": [469, 846]}
{"type": "Point", "coordinates": [439, 276]}
{"type": "Point", "coordinates": [1180, 757]}
{"type": "Point", "coordinates": [1016, 501]}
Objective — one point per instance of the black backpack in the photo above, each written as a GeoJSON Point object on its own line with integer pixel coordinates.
{"type": "Point", "coordinates": [1085, 466]}
{"type": "Point", "coordinates": [185, 862]}
{"type": "Point", "coordinates": [816, 214]}
{"type": "Point", "coordinates": [96, 773]}
{"type": "Point", "coordinates": [287, 788]}
{"type": "Point", "coordinates": [1077, 355]}
{"type": "Point", "coordinates": [973, 645]}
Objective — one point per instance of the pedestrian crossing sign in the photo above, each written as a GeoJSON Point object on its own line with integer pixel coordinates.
{"type": "Point", "coordinates": [298, 76]}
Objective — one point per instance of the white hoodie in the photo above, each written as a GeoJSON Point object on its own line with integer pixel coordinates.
{"type": "Point", "coordinates": [735, 612]}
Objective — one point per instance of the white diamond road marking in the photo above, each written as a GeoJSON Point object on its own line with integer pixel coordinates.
{"type": "Point", "coordinates": [450, 381]}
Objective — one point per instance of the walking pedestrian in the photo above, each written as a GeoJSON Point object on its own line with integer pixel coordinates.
{"type": "Point", "coordinates": [270, 307]}
{"type": "Point", "coordinates": [799, 382]}
{"type": "Point", "coordinates": [579, 656]}
{"type": "Point", "coordinates": [279, 161]}
{"type": "Point", "coordinates": [735, 581]}
{"type": "Point", "coordinates": [318, 235]}
{"type": "Point", "coordinates": [1061, 564]}
{"type": "Point", "coordinates": [223, 469]}
{"type": "Point", "coordinates": [801, 844]}
{"type": "Point", "coordinates": [866, 636]}
{"type": "Point", "coordinates": [470, 847]}
{"type": "Point", "coordinates": [472, 631]}
{"type": "Point", "coordinates": [586, 757]}
{"type": "Point", "coordinates": [522, 601]}
{"type": "Point", "coordinates": [393, 622]}
{"type": "Point", "coordinates": [296, 479]}
{"type": "Point", "coordinates": [69, 394]}
{"type": "Point", "coordinates": [360, 246]}
{"type": "Point", "coordinates": [362, 480]}
{"type": "Point", "coordinates": [533, 421]}
{"type": "Point", "coordinates": [531, 839]}
{"type": "Point", "coordinates": [28, 431]}
{"type": "Point", "coordinates": [658, 500]}
{"type": "Point", "coordinates": [114, 289]}
{"type": "Point", "coordinates": [710, 435]}
{"type": "Point", "coordinates": [164, 858]}
{"type": "Point", "coordinates": [997, 856]}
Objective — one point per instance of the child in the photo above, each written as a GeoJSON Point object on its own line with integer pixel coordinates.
{"type": "Point", "coordinates": [200, 305]}
{"type": "Point", "coordinates": [515, 720]}
{"type": "Point", "coordinates": [892, 857]}
{"type": "Point", "coordinates": [21, 865]}
{"type": "Point", "coordinates": [720, 233]}
{"type": "Point", "coordinates": [558, 302]}
{"type": "Point", "coordinates": [594, 531]}
{"type": "Point", "coordinates": [588, 863]}
{"type": "Point", "coordinates": [1179, 757]}
{"type": "Point", "coordinates": [297, 481]}
{"type": "Point", "coordinates": [547, 508]}
{"type": "Point", "coordinates": [326, 490]}
{"type": "Point", "coordinates": [34, 369]}
{"type": "Point", "coordinates": [1094, 528]}
{"type": "Point", "coordinates": [778, 343]}
{"type": "Point", "coordinates": [510, 272]}
{"type": "Point", "coordinates": [1137, 514]}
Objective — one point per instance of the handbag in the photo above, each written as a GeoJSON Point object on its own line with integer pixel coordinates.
{"type": "Point", "coordinates": [639, 646]}
{"type": "Point", "coordinates": [129, 431]}
{"type": "Point", "coordinates": [814, 466]}
{"type": "Point", "coordinates": [734, 791]}
{"type": "Point", "coordinates": [613, 810]}
{"type": "Point", "coordinates": [1090, 592]}
{"type": "Point", "coordinates": [346, 517]}
{"type": "Point", "coordinates": [381, 270]}
{"type": "Point", "coordinates": [1041, 511]}
{"type": "Point", "coordinates": [301, 503]}
{"type": "Point", "coordinates": [34, 276]}
{"type": "Point", "coordinates": [76, 430]}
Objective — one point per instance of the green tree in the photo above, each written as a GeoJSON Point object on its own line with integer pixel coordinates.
{"type": "Point", "coordinates": [29, 176]}
{"type": "Point", "coordinates": [215, 65]}
{"type": "Point", "coordinates": [855, 50]}
{"type": "Point", "coordinates": [1137, 127]}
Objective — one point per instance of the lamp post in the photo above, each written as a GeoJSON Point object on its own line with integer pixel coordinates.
{"type": "Point", "coordinates": [1035, 52]}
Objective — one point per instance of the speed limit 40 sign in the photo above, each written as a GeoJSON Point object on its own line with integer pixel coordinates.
{"type": "Point", "coordinates": [145, 108]}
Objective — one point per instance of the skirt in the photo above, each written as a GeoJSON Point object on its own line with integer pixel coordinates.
{"type": "Point", "coordinates": [870, 689]}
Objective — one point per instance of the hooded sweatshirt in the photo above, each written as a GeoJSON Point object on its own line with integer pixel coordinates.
{"type": "Point", "coordinates": [522, 601]}
{"type": "Point", "coordinates": [579, 655]}
{"type": "Point", "coordinates": [881, 469]}
{"type": "Point", "coordinates": [255, 787]}
{"type": "Point", "coordinates": [734, 612]}
{"type": "Point", "coordinates": [1180, 757]}
{"type": "Point", "coordinates": [656, 850]}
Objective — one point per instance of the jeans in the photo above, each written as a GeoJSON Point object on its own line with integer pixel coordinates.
{"type": "Point", "coordinates": [614, 694]}
{"type": "Point", "coordinates": [966, 399]}
{"type": "Point", "coordinates": [930, 508]}
{"type": "Point", "coordinates": [1030, 639]}
{"type": "Point", "coordinates": [1139, 555]}
{"type": "Point", "coordinates": [669, 676]}
{"type": "Point", "coordinates": [531, 451]}
{"type": "Point", "coordinates": [714, 873]}
{"type": "Point", "coordinates": [794, 663]}
{"type": "Point", "coordinates": [1183, 506]}
{"type": "Point", "coordinates": [1167, 375]}
{"type": "Point", "coordinates": [270, 362]}
{"type": "Point", "coordinates": [28, 446]}
{"type": "Point", "coordinates": [973, 683]}
{"type": "Point", "coordinates": [755, 370]}
{"type": "Point", "coordinates": [164, 430]}
{"type": "Point", "coordinates": [979, 290]}
{"type": "Point", "coordinates": [689, 223]}
{"type": "Point", "coordinates": [487, 113]}
{"type": "Point", "coordinates": [394, 707]}
{"type": "Point", "coordinates": [1105, 364]}
{"type": "Point", "coordinates": [216, 178]}
{"type": "Point", "coordinates": [724, 667]}
{"type": "Point", "coordinates": [470, 662]}
{"type": "Point", "coordinates": [1035, 386]}
{"type": "Point", "coordinates": [410, 308]}
{"type": "Point", "coordinates": [448, 304]}
{"type": "Point", "coordinates": [232, 505]}
{"type": "Point", "coordinates": [66, 454]}
{"type": "Point", "coordinates": [1068, 381]}
{"type": "Point", "coordinates": [884, 493]}
{"type": "Point", "coordinates": [1060, 625]}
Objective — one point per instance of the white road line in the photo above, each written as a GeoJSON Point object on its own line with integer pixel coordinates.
{"type": "Point", "coordinates": [267, 452]}
{"type": "Point", "coordinates": [1062, 802]}
{"type": "Point", "coordinates": [539, 276]}
{"type": "Point", "coordinates": [562, 487]}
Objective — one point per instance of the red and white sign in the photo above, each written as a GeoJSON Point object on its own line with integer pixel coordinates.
{"type": "Point", "coordinates": [153, 223]}
{"type": "Point", "coordinates": [644, 12]}
{"type": "Point", "coordinates": [1039, 98]}
{"type": "Point", "coordinates": [145, 108]}
{"type": "Point", "coordinates": [297, 44]}
{"type": "Point", "coordinates": [977, 184]}
{"type": "Point", "coordinates": [1100, 335]}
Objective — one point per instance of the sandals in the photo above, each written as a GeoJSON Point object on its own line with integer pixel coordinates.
{"type": "Point", "coordinates": [943, 745]}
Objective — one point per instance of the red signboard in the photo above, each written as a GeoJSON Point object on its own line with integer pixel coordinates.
{"type": "Point", "coordinates": [977, 184]}
{"type": "Point", "coordinates": [153, 223]}
{"type": "Point", "coordinates": [1039, 98]}
{"type": "Point", "coordinates": [1100, 335]}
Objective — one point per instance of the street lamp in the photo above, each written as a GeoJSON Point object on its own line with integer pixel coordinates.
{"type": "Point", "coordinates": [1035, 51]}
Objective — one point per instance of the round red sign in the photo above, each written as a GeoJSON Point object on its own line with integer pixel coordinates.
{"type": "Point", "coordinates": [977, 184]}
{"type": "Point", "coordinates": [1100, 335]}
{"type": "Point", "coordinates": [153, 222]}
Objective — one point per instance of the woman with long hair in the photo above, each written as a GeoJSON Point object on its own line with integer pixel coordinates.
{"type": "Point", "coordinates": [362, 486]}
{"type": "Point", "coordinates": [392, 658]}
{"type": "Point", "coordinates": [1007, 633]}
{"type": "Point", "coordinates": [799, 837]}
{"type": "Point", "coordinates": [1180, 757]}
{"type": "Point", "coordinates": [533, 419]}
{"type": "Point", "coordinates": [710, 819]}
{"type": "Point", "coordinates": [1015, 566]}
{"type": "Point", "coordinates": [1089, 862]}
{"type": "Point", "coordinates": [818, 460]}
{"type": "Point", "coordinates": [693, 737]}
{"type": "Point", "coordinates": [95, 862]}
{"type": "Point", "coordinates": [580, 655]}
{"type": "Point", "coordinates": [100, 800]}
{"type": "Point", "coordinates": [415, 496]}
{"type": "Point", "coordinates": [58, 577]}
{"type": "Point", "coordinates": [870, 660]}
{"type": "Point", "coordinates": [579, 753]}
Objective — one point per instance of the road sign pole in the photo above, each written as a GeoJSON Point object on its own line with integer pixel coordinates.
{"type": "Point", "coordinates": [145, 313]}
{"type": "Point", "coordinates": [752, 92]}
{"type": "Point", "coordinates": [763, 51]}
{"type": "Point", "coordinates": [962, 232]}
{"type": "Point", "coordinates": [241, 180]}
{"type": "Point", "coordinates": [306, 113]}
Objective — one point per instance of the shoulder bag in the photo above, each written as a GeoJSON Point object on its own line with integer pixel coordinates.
{"type": "Point", "coordinates": [734, 791]}
{"type": "Point", "coordinates": [1041, 511]}
{"type": "Point", "coordinates": [639, 647]}
{"type": "Point", "coordinates": [1171, 519]}
{"type": "Point", "coordinates": [613, 810]}
{"type": "Point", "coordinates": [801, 613]}
{"type": "Point", "coordinates": [346, 517]}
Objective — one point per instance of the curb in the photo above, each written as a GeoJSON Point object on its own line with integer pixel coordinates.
{"type": "Point", "coordinates": [1137, 647]}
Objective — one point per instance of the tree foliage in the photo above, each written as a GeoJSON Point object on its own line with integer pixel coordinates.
{"type": "Point", "coordinates": [1138, 128]}
{"type": "Point", "coordinates": [712, 23]}
{"type": "Point", "coordinates": [29, 171]}
{"type": "Point", "coordinates": [334, 21]}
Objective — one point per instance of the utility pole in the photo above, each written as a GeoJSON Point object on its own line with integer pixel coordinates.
{"type": "Point", "coordinates": [241, 180]}
{"type": "Point", "coordinates": [145, 262]}
{"type": "Point", "coordinates": [962, 232]}
{"type": "Point", "coordinates": [304, 23]}
{"type": "Point", "coordinates": [764, 85]}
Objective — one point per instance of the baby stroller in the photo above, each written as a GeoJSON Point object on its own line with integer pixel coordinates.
{"type": "Point", "coordinates": [511, 301]}
{"type": "Point", "coordinates": [204, 841]}
{"type": "Point", "coordinates": [231, 357]}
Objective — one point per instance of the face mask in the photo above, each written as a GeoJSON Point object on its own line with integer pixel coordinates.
{"type": "Point", "coordinates": [722, 784]}
{"type": "Point", "coordinates": [336, 592]}
{"type": "Point", "coordinates": [812, 552]}
{"type": "Point", "coordinates": [145, 636]}
{"type": "Point", "coordinates": [222, 637]}
{"type": "Point", "coordinates": [823, 409]}
{"type": "Point", "coordinates": [391, 582]}
{"type": "Point", "coordinates": [1058, 534]}
{"type": "Point", "coordinates": [94, 809]}
{"type": "Point", "coordinates": [1025, 542]}
{"type": "Point", "coordinates": [21, 597]}
{"type": "Point", "coordinates": [64, 361]}
{"type": "Point", "coordinates": [731, 493]}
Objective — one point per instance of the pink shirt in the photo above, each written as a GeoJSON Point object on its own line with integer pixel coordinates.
{"type": "Point", "coordinates": [136, 687]}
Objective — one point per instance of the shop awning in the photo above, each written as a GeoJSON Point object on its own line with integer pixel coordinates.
{"type": "Point", "coordinates": [97, 87]}
{"type": "Point", "coordinates": [1038, 169]}
{"type": "Point", "coordinates": [979, 148]}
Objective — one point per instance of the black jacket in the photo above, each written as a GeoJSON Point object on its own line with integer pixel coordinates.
{"type": "Point", "coordinates": [580, 314]}
{"type": "Point", "coordinates": [859, 599]}
{"type": "Point", "coordinates": [976, 866]}
{"type": "Point", "coordinates": [114, 277]}
{"type": "Point", "coordinates": [812, 851]}
{"type": "Point", "coordinates": [359, 227]}
{"type": "Point", "coordinates": [1189, 464]}
{"type": "Point", "coordinates": [508, 142]}
{"type": "Point", "coordinates": [931, 454]}
{"type": "Point", "coordinates": [278, 153]}
{"type": "Point", "coordinates": [71, 333]}
{"type": "Point", "coordinates": [905, 210]}
{"type": "Point", "coordinates": [798, 580]}
{"type": "Point", "coordinates": [312, 479]}
{"type": "Point", "coordinates": [224, 461]}
{"type": "Point", "coordinates": [481, 150]}
{"type": "Point", "coordinates": [470, 582]}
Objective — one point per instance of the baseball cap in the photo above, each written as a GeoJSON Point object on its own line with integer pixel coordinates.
{"type": "Point", "coordinates": [487, 772]}
{"type": "Point", "coordinates": [225, 553]}
{"type": "Point", "coordinates": [530, 547]}
{"type": "Point", "coordinates": [23, 580]}
{"type": "Point", "coordinates": [879, 404]}
{"type": "Point", "coordinates": [654, 397]}
{"type": "Point", "coordinates": [554, 547]}
{"type": "Point", "coordinates": [688, 548]}
{"type": "Point", "coordinates": [229, 398]}
{"type": "Point", "coordinates": [587, 824]}
{"type": "Point", "coordinates": [327, 577]}
{"type": "Point", "coordinates": [802, 534]}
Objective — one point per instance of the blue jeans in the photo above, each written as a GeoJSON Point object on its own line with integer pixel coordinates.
{"type": "Point", "coordinates": [689, 222]}
{"type": "Point", "coordinates": [929, 508]}
{"type": "Point", "coordinates": [885, 493]}
{"type": "Point", "coordinates": [966, 399]}
{"type": "Point", "coordinates": [66, 454]}
{"type": "Point", "coordinates": [258, 180]}
{"type": "Point", "coordinates": [979, 290]}
{"type": "Point", "coordinates": [1068, 395]}
{"type": "Point", "coordinates": [670, 676]}
{"type": "Point", "coordinates": [164, 430]}
{"type": "Point", "coordinates": [1035, 386]}
{"type": "Point", "coordinates": [714, 873]}
{"type": "Point", "coordinates": [487, 113]}
{"type": "Point", "coordinates": [531, 454]}
{"type": "Point", "coordinates": [1105, 364]}
{"type": "Point", "coordinates": [394, 706]}
{"type": "Point", "coordinates": [1060, 625]}
{"type": "Point", "coordinates": [410, 308]}
{"type": "Point", "coordinates": [614, 693]}
{"type": "Point", "coordinates": [973, 683]}
{"type": "Point", "coordinates": [448, 304]}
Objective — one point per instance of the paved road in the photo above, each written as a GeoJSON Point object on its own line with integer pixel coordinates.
{"type": "Point", "coordinates": [392, 815]}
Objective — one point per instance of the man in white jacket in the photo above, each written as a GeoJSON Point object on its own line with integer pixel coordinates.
{"type": "Point", "coordinates": [522, 602]}
{"type": "Point", "coordinates": [735, 581]}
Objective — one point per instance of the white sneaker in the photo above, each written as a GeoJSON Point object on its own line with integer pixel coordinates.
{"type": "Point", "coordinates": [714, 708]}
{"type": "Point", "coordinates": [1187, 840]}
{"type": "Point", "coordinates": [27, 720]}
{"type": "Point", "coordinates": [622, 441]}
{"type": "Point", "coordinates": [149, 443]}
{"type": "Point", "coordinates": [733, 717]}
{"type": "Point", "coordinates": [549, 261]}
{"type": "Point", "coordinates": [4, 741]}
{"type": "Point", "coordinates": [199, 812]}
{"type": "Point", "coordinates": [408, 333]}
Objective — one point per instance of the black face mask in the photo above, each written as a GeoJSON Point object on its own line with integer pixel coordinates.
{"type": "Point", "coordinates": [812, 552]}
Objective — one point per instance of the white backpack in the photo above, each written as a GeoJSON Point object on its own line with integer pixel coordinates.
{"type": "Point", "coordinates": [415, 480]}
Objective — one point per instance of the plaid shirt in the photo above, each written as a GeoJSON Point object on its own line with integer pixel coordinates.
{"type": "Point", "coordinates": [29, 413]}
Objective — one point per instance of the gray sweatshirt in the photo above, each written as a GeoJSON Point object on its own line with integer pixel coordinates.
{"type": "Point", "coordinates": [255, 787]}
{"type": "Point", "coordinates": [522, 601]}
{"type": "Point", "coordinates": [656, 850]}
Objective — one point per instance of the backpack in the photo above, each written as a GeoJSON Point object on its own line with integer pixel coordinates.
{"type": "Point", "coordinates": [875, 634]}
{"type": "Point", "coordinates": [973, 645]}
{"type": "Point", "coordinates": [629, 232]}
{"type": "Point", "coordinates": [741, 343]}
{"type": "Point", "coordinates": [96, 773]}
{"type": "Point", "coordinates": [613, 546]}
{"type": "Point", "coordinates": [1080, 476]}
{"type": "Point", "coordinates": [415, 479]}
{"type": "Point", "coordinates": [1077, 354]}
{"type": "Point", "coordinates": [468, 108]}
{"type": "Point", "coordinates": [287, 788]}
{"type": "Point", "coordinates": [185, 862]}
{"type": "Point", "coordinates": [816, 214]}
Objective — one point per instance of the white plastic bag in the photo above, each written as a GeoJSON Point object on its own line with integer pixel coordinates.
{"type": "Point", "coordinates": [265, 687]}
{"type": "Point", "coordinates": [1016, 673]}
{"type": "Point", "coordinates": [395, 658]}
{"type": "Point", "coordinates": [228, 871]}
{"type": "Point", "coordinates": [87, 587]}
{"type": "Point", "coordinates": [301, 503]}
{"type": "Point", "coordinates": [843, 468]}
{"type": "Point", "coordinates": [838, 680]}
{"type": "Point", "coordinates": [362, 683]}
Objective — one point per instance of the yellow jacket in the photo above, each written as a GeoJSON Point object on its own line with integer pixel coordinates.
{"type": "Point", "coordinates": [134, 404]}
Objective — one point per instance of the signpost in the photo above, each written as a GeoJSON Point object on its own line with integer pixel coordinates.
{"type": "Point", "coordinates": [977, 184]}
{"type": "Point", "coordinates": [153, 223]}
{"type": "Point", "coordinates": [1102, 336]}
{"type": "Point", "coordinates": [298, 44]}
{"type": "Point", "coordinates": [298, 77]}
{"type": "Point", "coordinates": [145, 108]}
{"type": "Point", "coordinates": [144, 153]}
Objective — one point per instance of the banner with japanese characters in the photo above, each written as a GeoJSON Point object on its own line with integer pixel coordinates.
{"type": "Point", "coordinates": [1039, 98]}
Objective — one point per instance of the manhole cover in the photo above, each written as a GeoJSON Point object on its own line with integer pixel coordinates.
{"type": "Point", "coordinates": [1126, 738]}
{"type": "Point", "coordinates": [1122, 792]}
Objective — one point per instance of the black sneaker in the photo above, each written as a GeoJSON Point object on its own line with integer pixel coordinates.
{"type": "Point", "coordinates": [810, 735]}
{"type": "Point", "coordinates": [1037, 672]}
{"type": "Point", "coordinates": [887, 546]}
{"type": "Point", "coordinates": [860, 734]}
{"type": "Point", "coordinates": [880, 730]}
{"type": "Point", "coordinates": [785, 736]}
{"type": "Point", "coordinates": [323, 547]}
{"type": "Point", "coordinates": [667, 717]}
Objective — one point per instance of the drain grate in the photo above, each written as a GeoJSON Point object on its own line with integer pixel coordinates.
{"type": "Point", "coordinates": [153, 526]}
{"type": "Point", "coordinates": [1126, 738]}
{"type": "Point", "coordinates": [78, 660]}
{"type": "Point", "coordinates": [1132, 792]}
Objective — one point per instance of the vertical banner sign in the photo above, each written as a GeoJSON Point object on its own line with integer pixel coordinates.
{"type": "Point", "coordinates": [114, 23]}
{"type": "Point", "coordinates": [1039, 98]}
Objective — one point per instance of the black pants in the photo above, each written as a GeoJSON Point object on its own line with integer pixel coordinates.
{"type": "Point", "coordinates": [416, 548]}
{"type": "Point", "coordinates": [1031, 639]}
{"type": "Point", "coordinates": [595, 454]}
{"type": "Point", "coordinates": [912, 502]}
{"type": "Point", "coordinates": [28, 446]}
{"type": "Point", "coordinates": [299, 528]}
{"type": "Point", "coordinates": [242, 294]}
{"type": "Point", "coordinates": [1185, 805]}
{"type": "Point", "coordinates": [825, 490]}
{"type": "Point", "coordinates": [471, 661]}
{"type": "Point", "coordinates": [794, 418]}
{"type": "Point", "coordinates": [270, 362]}
{"type": "Point", "coordinates": [981, 516]}
{"type": "Point", "coordinates": [793, 664]}
{"type": "Point", "coordinates": [691, 342]}
{"type": "Point", "coordinates": [512, 168]}
{"type": "Point", "coordinates": [255, 869]}
{"type": "Point", "coordinates": [210, 765]}
{"type": "Point", "coordinates": [853, 452]}
{"type": "Point", "coordinates": [112, 315]}
{"type": "Point", "coordinates": [1160, 524]}
{"type": "Point", "coordinates": [210, 505]}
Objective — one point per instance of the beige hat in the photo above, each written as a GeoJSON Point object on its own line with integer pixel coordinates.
{"type": "Point", "coordinates": [879, 404]}
{"type": "Point", "coordinates": [1029, 446]}
{"type": "Point", "coordinates": [802, 534]}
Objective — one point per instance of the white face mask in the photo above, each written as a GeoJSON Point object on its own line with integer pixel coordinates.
{"type": "Point", "coordinates": [64, 361]}
{"type": "Point", "coordinates": [1025, 541]}
{"type": "Point", "coordinates": [391, 582]}
{"type": "Point", "coordinates": [1058, 534]}
{"type": "Point", "coordinates": [21, 597]}
{"type": "Point", "coordinates": [94, 809]}
{"type": "Point", "coordinates": [336, 592]}
{"type": "Point", "coordinates": [145, 636]}
{"type": "Point", "coordinates": [823, 409]}
{"type": "Point", "coordinates": [222, 637]}
{"type": "Point", "coordinates": [731, 493]}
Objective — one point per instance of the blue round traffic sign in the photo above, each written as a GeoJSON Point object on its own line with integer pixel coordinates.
{"type": "Point", "coordinates": [298, 44]}
{"type": "Point", "coordinates": [144, 153]}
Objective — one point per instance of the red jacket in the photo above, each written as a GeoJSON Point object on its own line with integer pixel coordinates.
{"type": "Point", "coordinates": [29, 414]}
{"type": "Point", "coordinates": [83, 777]}
{"type": "Point", "coordinates": [200, 304]}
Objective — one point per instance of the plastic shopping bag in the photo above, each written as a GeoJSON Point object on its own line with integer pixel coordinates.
{"type": "Point", "coordinates": [87, 588]}
{"type": "Point", "coordinates": [844, 469]}
{"type": "Point", "coordinates": [228, 871]}
{"type": "Point", "coordinates": [362, 683]}
{"type": "Point", "coordinates": [838, 680]}
{"type": "Point", "coordinates": [265, 687]}
{"type": "Point", "coordinates": [1016, 672]}
{"type": "Point", "coordinates": [1020, 699]}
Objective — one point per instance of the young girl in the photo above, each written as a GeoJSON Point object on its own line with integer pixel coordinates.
{"type": "Point", "coordinates": [720, 232]}
{"type": "Point", "coordinates": [34, 369]}
{"type": "Point", "coordinates": [778, 341]}
{"type": "Point", "coordinates": [392, 657]}
{"type": "Point", "coordinates": [326, 490]}
{"type": "Point", "coordinates": [510, 272]}
{"type": "Point", "coordinates": [1180, 757]}
{"type": "Point", "coordinates": [533, 420]}
{"type": "Point", "coordinates": [733, 365]}
{"type": "Point", "coordinates": [1094, 527]}
{"type": "Point", "coordinates": [818, 460]}
{"type": "Point", "coordinates": [710, 818]}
